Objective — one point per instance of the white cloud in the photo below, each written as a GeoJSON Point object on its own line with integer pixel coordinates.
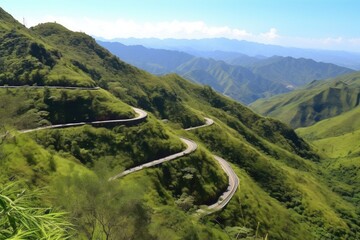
{"type": "Point", "coordinates": [271, 34]}
{"type": "Point", "coordinates": [124, 28]}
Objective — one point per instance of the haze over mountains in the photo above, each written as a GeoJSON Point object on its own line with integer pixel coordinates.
{"type": "Point", "coordinates": [238, 76]}
{"type": "Point", "coordinates": [212, 46]}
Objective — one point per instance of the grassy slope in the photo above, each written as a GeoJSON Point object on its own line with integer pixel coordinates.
{"type": "Point", "coordinates": [26, 108]}
{"type": "Point", "coordinates": [269, 156]}
{"type": "Point", "coordinates": [338, 139]}
{"type": "Point", "coordinates": [27, 59]}
{"type": "Point", "coordinates": [67, 150]}
{"type": "Point", "coordinates": [315, 102]}
{"type": "Point", "coordinates": [303, 195]}
{"type": "Point", "coordinates": [333, 127]}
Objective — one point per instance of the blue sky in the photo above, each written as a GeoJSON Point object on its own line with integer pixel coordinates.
{"type": "Point", "coordinates": [329, 24]}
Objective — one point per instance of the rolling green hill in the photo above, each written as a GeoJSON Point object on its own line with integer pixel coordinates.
{"type": "Point", "coordinates": [283, 192]}
{"type": "Point", "coordinates": [27, 59]}
{"type": "Point", "coordinates": [317, 101]}
{"type": "Point", "coordinates": [338, 139]}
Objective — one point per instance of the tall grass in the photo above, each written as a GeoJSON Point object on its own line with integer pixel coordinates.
{"type": "Point", "coordinates": [19, 219]}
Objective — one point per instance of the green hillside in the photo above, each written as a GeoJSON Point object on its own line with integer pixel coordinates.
{"type": "Point", "coordinates": [338, 139]}
{"type": "Point", "coordinates": [317, 101]}
{"type": "Point", "coordinates": [333, 127]}
{"type": "Point", "coordinates": [283, 193]}
{"type": "Point", "coordinates": [26, 59]}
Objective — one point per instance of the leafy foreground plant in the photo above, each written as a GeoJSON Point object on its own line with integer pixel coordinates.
{"type": "Point", "coordinates": [19, 219]}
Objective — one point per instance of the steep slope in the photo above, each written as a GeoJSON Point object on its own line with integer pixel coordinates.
{"type": "Point", "coordinates": [317, 101]}
{"type": "Point", "coordinates": [338, 139]}
{"type": "Point", "coordinates": [296, 72]}
{"type": "Point", "coordinates": [27, 59]}
{"type": "Point", "coordinates": [109, 69]}
{"type": "Point", "coordinates": [333, 127]}
{"type": "Point", "coordinates": [280, 182]}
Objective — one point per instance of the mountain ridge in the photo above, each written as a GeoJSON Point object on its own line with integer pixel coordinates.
{"type": "Point", "coordinates": [341, 58]}
{"type": "Point", "coordinates": [260, 79]}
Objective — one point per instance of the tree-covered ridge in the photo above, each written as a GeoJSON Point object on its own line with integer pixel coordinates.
{"type": "Point", "coordinates": [28, 107]}
{"type": "Point", "coordinates": [27, 60]}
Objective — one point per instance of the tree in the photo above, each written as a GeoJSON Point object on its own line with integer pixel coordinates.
{"type": "Point", "coordinates": [101, 209]}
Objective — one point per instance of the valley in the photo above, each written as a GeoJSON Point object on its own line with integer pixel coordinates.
{"type": "Point", "coordinates": [238, 76]}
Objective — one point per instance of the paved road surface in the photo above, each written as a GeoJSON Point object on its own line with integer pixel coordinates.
{"type": "Point", "coordinates": [141, 114]}
{"type": "Point", "coordinates": [233, 179]}
{"type": "Point", "coordinates": [208, 122]}
{"type": "Point", "coordinates": [225, 198]}
{"type": "Point", "coordinates": [191, 147]}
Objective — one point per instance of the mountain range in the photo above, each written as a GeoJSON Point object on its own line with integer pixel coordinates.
{"type": "Point", "coordinates": [63, 99]}
{"type": "Point", "coordinates": [213, 47]}
{"type": "Point", "coordinates": [242, 78]}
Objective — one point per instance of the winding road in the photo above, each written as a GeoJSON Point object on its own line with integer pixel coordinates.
{"type": "Point", "coordinates": [225, 198]}
{"type": "Point", "coordinates": [191, 147]}
{"type": "Point", "coordinates": [208, 122]}
{"type": "Point", "coordinates": [141, 116]}
{"type": "Point", "coordinates": [233, 179]}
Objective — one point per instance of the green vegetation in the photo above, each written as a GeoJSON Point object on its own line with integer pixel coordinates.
{"type": "Point", "coordinates": [292, 187]}
{"type": "Point", "coordinates": [29, 107]}
{"type": "Point", "coordinates": [282, 184]}
{"type": "Point", "coordinates": [26, 59]}
{"type": "Point", "coordinates": [120, 147]}
{"type": "Point", "coordinates": [21, 219]}
{"type": "Point", "coordinates": [333, 127]}
{"type": "Point", "coordinates": [337, 139]}
{"type": "Point", "coordinates": [317, 101]}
